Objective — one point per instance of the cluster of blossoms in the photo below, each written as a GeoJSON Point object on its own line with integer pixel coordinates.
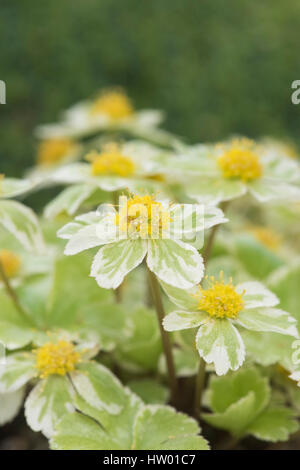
{"type": "Point", "coordinates": [150, 205]}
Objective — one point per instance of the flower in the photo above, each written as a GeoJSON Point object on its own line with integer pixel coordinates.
{"type": "Point", "coordinates": [217, 309]}
{"type": "Point", "coordinates": [53, 366]}
{"type": "Point", "coordinates": [56, 151]}
{"type": "Point", "coordinates": [227, 171]}
{"type": "Point", "coordinates": [143, 227]}
{"type": "Point", "coordinates": [10, 263]}
{"type": "Point", "coordinates": [133, 165]}
{"type": "Point", "coordinates": [111, 110]}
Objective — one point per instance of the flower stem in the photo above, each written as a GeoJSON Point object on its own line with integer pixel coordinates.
{"type": "Point", "coordinates": [212, 235]}
{"type": "Point", "coordinates": [12, 294]}
{"type": "Point", "coordinates": [199, 386]}
{"type": "Point", "coordinates": [157, 300]}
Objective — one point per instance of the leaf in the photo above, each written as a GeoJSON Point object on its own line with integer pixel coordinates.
{"type": "Point", "coordinates": [175, 263]}
{"type": "Point", "coordinates": [269, 348]}
{"type": "Point", "coordinates": [285, 283]}
{"type": "Point", "coordinates": [161, 428]}
{"type": "Point", "coordinates": [274, 424]}
{"type": "Point", "coordinates": [47, 403]}
{"type": "Point", "coordinates": [237, 399]}
{"type": "Point", "coordinates": [15, 332]}
{"type": "Point", "coordinates": [98, 430]}
{"type": "Point", "coordinates": [248, 251]}
{"type": "Point", "coordinates": [99, 387]}
{"type": "Point", "coordinates": [23, 224]}
{"type": "Point", "coordinates": [17, 370]}
{"type": "Point", "coordinates": [114, 261]}
{"type": "Point", "coordinates": [142, 348]}
{"type": "Point", "coordinates": [10, 405]}
{"type": "Point", "coordinates": [150, 391]}
{"type": "Point", "coordinates": [219, 342]}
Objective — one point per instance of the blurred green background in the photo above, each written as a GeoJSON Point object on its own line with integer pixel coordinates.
{"type": "Point", "coordinates": [216, 66]}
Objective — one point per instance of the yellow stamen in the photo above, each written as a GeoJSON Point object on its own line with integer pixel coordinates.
{"type": "Point", "coordinates": [114, 104]}
{"type": "Point", "coordinates": [143, 215]}
{"type": "Point", "coordinates": [10, 263]}
{"type": "Point", "coordinates": [220, 300]}
{"type": "Point", "coordinates": [267, 237]}
{"type": "Point", "coordinates": [59, 358]}
{"type": "Point", "coordinates": [111, 162]}
{"type": "Point", "coordinates": [240, 161]}
{"type": "Point", "coordinates": [52, 151]}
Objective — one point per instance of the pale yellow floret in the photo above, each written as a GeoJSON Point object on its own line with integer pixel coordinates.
{"type": "Point", "coordinates": [10, 263]}
{"type": "Point", "coordinates": [267, 237]}
{"type": "Point", "coordinates": [220, 300]}
{"type": "Point", "coordinates": [56, 358]}
{"type": "Point", "coordinates": [143, 215]}
{"type": "Point", "coordinates": [111, 161]}
{"type": "Point", "coordinates": [240, 161]}
{"type": "Point", "coordinates": [114, 104]}
{"type": "Point", "coordinates": [52, 151]}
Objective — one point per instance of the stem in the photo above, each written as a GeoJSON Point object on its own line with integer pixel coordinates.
{"type": "Point", "coordinates": [212, 235]}
{"type": "Point", "coordinates": [199, 386]}
{"type": "Point", "coordinates": [12, 294]}
{"type": "Point", "coordinates": [157, 300]}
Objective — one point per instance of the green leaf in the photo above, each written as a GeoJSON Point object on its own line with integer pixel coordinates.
{"type": "Point", "coordinates": [237, 400]}
{"type": "Point", "coordinates": [175, 263]}
{"type": "Point", "coordinates": [150, 391]}
{"type": "Point", "coordinates": [220, 343]}
{"type": "Point", "coordinates": [160, 427]}
{"type": "Point", "coordinates": [23, 224]}
{"type": "Point", "coordinates": [229, 389]}
{"type": "Point", "coordinates": [186, 362]}
{"type": "Point", "coordinates": [47, 403]}
{"type": "Point", "coordinates": [99, 387]}
{"type": "Point", "coordinates": [248, 251]}
{"type": "Point", "coordinates": [274, 424]}
{"type": "Point", "coordinates": [285, 283]}
{"type": "Point", "coordinates": [142, 348]}
{"type": "Point", "coordinates": [98, 430]}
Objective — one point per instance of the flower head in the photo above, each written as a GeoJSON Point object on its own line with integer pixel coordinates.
{"type": "Point", "coordinates": [111, 161]}
{"type": "Point", "coordinates": [220, 300]}
{"type": "Point", "coordinates": [113, 103]}
{"type": "Point", "coordinates": [240, 161]}
{"type": "Point", "coordinates": [144, 216]}
{"type": "Point", "coordinates": [10, 263]}
{"type": "Point", "coordinates": [218, 309]}
{"type": "Point", "coordinates": [53, 151]}
{"type": "Point", "coordinates": [266, 236]}
{"type": "Point", "coordinates": [56, 358]}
